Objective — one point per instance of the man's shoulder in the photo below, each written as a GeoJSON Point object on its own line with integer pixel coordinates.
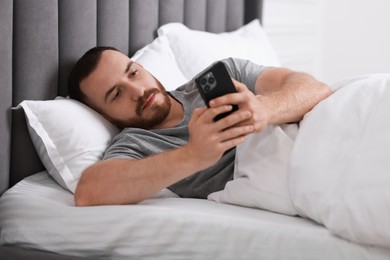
{"type": "Point", "coordinates": [129, 133]}
{"type": "Point", "coordinates": [186, 87]}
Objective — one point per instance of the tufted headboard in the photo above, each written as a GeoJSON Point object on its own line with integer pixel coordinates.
{"type": "Point", "coordinates": [41, 39]}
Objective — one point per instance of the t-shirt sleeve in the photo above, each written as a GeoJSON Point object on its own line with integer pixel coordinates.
{"type": "Point", "coordinates": [244, 71]}
{"type": "Point", "coordinates": [124, 146]}
{"type": "Point", "coordinates": [117, 151]}
{"type": "Point", "coordinates": [137, 143]}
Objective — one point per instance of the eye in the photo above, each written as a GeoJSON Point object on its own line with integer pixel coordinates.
{"type": "Point", "coordinates": [134, 70]}
{"type": "Point", "coordinates": [133, 73]}
{"type": "Point", "coordinates": [117, 94]}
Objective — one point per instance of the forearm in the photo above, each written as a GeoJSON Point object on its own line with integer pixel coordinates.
{"type": "Point", "coordinates": [126, 181]}
{"type": "Point", "coordinates": [298, 94]}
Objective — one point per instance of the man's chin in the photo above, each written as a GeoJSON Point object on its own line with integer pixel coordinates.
{"type": "Point", "coordinates": [152, 117]}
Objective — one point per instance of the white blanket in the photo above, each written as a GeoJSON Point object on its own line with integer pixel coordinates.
{"type": "Point", "coordinates": [260, 175]}
{"type": "Point", "coordinates": [337, 172]}
{"type": "Point", "coordinates": [340, 171]}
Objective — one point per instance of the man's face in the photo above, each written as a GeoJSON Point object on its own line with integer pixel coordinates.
{"type": "Point", "coordinates": [125, 93]}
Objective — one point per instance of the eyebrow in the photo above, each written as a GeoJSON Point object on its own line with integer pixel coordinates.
{"type": "Point", "coordinates": [108, 93]}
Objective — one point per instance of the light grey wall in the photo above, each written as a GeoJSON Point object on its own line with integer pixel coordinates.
{"type": "Point", "coordinates": [356, 38]}
{"type": "Point", "coordinates": [294, 28]}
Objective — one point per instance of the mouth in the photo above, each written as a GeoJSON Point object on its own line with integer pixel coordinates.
{"type": "Point", "coordinates": [148, 101]}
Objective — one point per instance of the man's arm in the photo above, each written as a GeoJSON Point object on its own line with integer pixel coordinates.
{"type": "Point", "coordinates": [126, 181]}
{"type": "Point", "coordinates": [281, 96]}
{"type": "Point", "coordinates": [289, 95]}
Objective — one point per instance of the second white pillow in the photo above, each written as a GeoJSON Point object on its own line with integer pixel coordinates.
{"type": "Point", "coordinates": [195, 50]}
{"type": "Point", "coordinates": [158, 59]}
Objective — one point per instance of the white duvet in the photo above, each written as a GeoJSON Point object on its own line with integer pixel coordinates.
{"type": "Point", "coordinates": [337, 169]}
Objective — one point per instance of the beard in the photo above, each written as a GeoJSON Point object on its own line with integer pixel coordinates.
{"type": "Point", "coordinates": [153, 116]}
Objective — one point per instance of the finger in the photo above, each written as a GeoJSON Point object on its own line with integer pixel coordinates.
{"type": "Point", "coordinates": [228, 99]}
{"type": "Point", "coordinates": [258, 126]}
{"type": "Point", "coordinates": [232, 142]}
{"type": "Point", "coordinates": [239, 86]}
{"type": "Point", "coordinates": [232, 119]}
{"type": "Point", "coordinates": [235, 132]}
{"type": "Point", "coordinates": [198, 112]}
{"type": "Point", "coordinates": [211, 113]}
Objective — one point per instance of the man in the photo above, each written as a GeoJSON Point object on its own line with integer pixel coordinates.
{"type": "Point", "coordinates": [170, 139]}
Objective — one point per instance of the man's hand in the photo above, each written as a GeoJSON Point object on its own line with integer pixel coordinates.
{"type": "Point", "coordinates": [209, 139]}
{"type": "Point", "coordinates": [247, 102]}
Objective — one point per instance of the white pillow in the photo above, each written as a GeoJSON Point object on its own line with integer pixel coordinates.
{"type": "Point", "coordinates": [195, 50]}
{"type": "Point", "coordinates": [340, 170]}
{"type": "Point", "coordinates": [68, 137]}
{"type": "Point", "coordinates": [261, 171]}
{"type": "Point", "coordinates": [158, 59]}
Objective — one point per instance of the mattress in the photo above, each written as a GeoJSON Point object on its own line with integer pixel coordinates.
{"type": "Point", "coordinates": [37, 213]}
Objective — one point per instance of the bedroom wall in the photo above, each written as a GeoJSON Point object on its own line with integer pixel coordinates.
{"type": "Point", "coordinates": [294, 29]}
{"type": "Point", "coordinates": [331, 39]}
{"type": "Point", "coordinates": [356, 38]}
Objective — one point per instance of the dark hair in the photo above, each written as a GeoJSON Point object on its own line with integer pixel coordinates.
{"type": "Point", "coordinates": [83, 67]}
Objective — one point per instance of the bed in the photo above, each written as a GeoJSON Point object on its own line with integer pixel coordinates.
{"type": "Point", "coordinates": [40, 41]}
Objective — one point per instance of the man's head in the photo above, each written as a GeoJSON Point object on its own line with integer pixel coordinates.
{"type": "Point", "coordinates": [121, 90]}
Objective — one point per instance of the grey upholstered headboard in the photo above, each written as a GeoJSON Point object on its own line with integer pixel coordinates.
{"type": "Point", "coordinates": [41, 39]}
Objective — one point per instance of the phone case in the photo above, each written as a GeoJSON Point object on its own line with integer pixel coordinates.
{"type": "Point", "coordinates": [214, 82]}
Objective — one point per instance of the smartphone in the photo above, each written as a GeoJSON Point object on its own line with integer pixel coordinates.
{"type": "Point", "coordinates": [214, 82]}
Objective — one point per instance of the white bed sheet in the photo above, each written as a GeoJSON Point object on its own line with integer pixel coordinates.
{"type": "Point", "coordinates": [37, 213]}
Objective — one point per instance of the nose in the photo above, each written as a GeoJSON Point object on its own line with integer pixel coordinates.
{"type": "Point", "coordinates": [136, 92]}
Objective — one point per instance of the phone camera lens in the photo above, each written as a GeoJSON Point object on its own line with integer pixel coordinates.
{"type": "Point", "coordinates": [207, 88]}
{"type": "Point", "coordinates": [203, 81]}
{"type": "Point", "coordinates": [211, 80]}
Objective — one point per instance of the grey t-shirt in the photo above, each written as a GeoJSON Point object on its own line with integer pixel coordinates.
{"type": "Point", "coordinates": [137, 143]}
